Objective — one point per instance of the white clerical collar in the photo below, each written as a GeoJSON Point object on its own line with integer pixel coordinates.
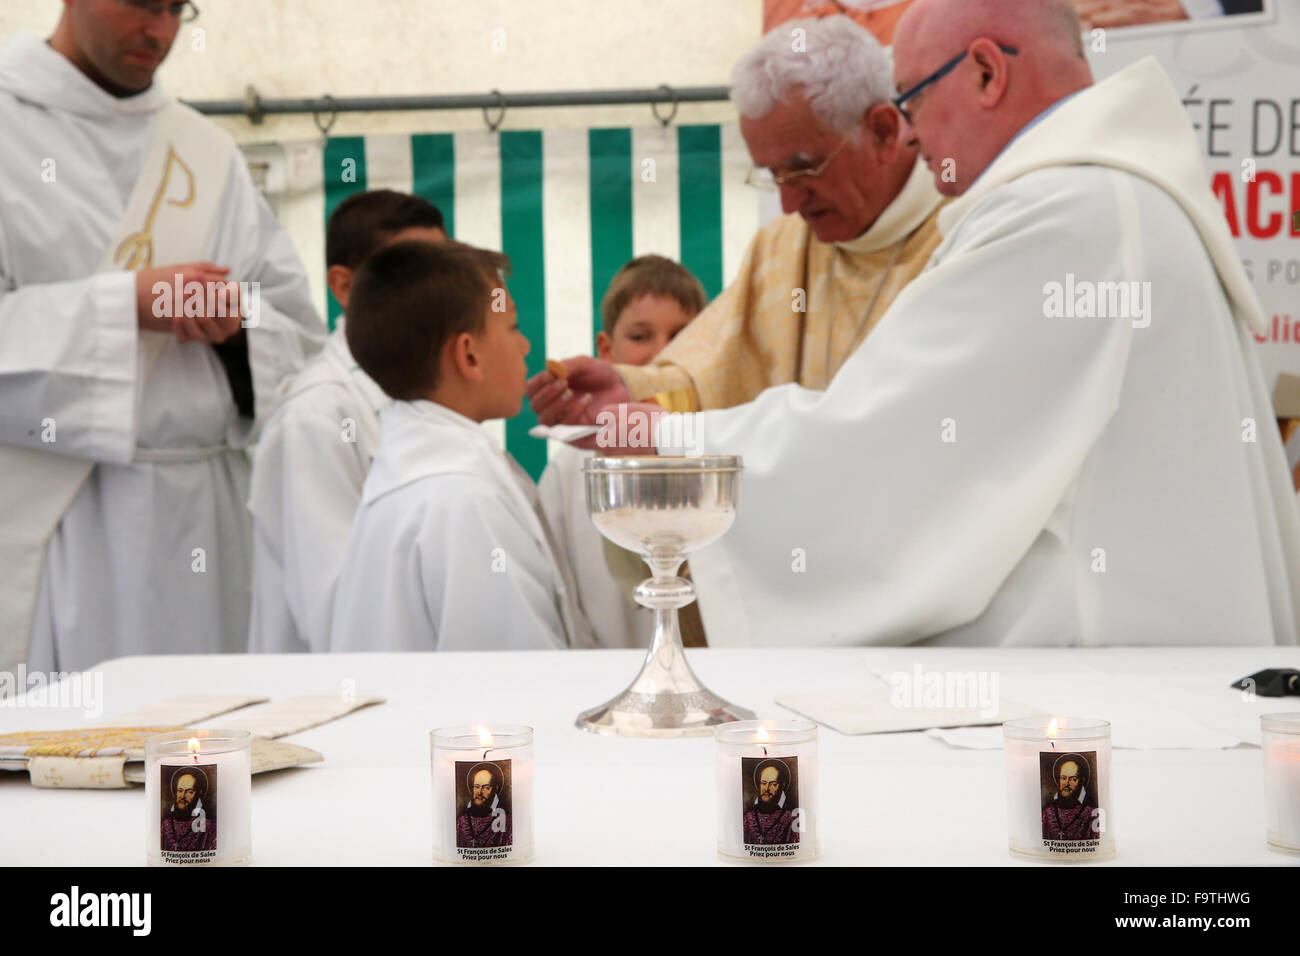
{"type": "Point", "coordinates": [914, 204]}
{"type": "Point", "coordinates": [32, 70]}
{"type": "Point", "coordinates": [432, 411]}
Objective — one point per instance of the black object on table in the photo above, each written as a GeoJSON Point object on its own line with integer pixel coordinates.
{"type": "Point", "coordinates": [1272, 682]}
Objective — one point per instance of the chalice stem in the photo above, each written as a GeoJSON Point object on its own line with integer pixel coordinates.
{"type": "Point", "coordinates": [665, 663]}
{"type": "Point", "coordinates": [665, 669]}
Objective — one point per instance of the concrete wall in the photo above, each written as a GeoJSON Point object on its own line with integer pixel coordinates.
{"type": "Point", "coordinates": [373, 47]}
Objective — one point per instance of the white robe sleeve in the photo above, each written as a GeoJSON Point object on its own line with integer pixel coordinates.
{"type": "Point", "coordinates": [553, 493]}
{"type": "Point", "coordinates": [894, 505]}
{"type": "Point", "coordinates": [256, 248]}
{"type": "Point", "coordinates": [488, 585]}
{"type": "Point", "coordinates": [68, 363]}
{"type": "Point", "coordinates": [311, 479]}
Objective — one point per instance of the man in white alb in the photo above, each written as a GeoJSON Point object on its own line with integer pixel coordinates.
{"type": "Point", "coordinates": [149, 306]}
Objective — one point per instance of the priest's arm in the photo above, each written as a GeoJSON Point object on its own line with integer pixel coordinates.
{"type": "Point", "coordinates": [700, 341]}
{"type": "Point", "coordinates": [68, 362]}
{"type": "Point", "coordinates": [720, 351]}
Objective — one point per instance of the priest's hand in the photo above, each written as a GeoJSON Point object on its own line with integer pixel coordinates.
{"type": "Point", "coordinates": [591, 384]}
{"type": "Point", "coordinates": [626, 430]}
{"type": "Point", "coordinates": [161, 293]}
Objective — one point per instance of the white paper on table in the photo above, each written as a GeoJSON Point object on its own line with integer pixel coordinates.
{"type": "Point", "coordinates": [1180, 735]}
{"type": "Point", "coordinates": [969, 738]}
{"type": "Point", "coordinates": [874, 712]}
{"type": "Point", "coordinates": [564, 433]}
{"type": "Point", "coordinates": [1139, 718]}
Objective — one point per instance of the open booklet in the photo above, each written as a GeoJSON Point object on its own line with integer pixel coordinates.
{"type": "Point", "coordinates": [110, 754]}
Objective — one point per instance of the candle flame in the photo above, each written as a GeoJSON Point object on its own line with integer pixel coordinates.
{"type": "Point", "coordinates": [484, 735]}
{"type": "Point", "coordinates": [194, 745]}
{"type": "Point", "coordinates": [1052, 729]}
{"type": "Point", "coordinates": [762, 736]}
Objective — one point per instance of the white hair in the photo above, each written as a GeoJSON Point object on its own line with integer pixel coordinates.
{"type": "Point", "coordinates": [840, 67]}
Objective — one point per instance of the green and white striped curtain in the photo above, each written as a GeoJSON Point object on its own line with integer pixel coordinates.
{"type": "Point", "coordinates": [568, 206]}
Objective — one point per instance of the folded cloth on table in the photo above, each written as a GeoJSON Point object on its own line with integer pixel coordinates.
{"type": "Point", "coordinates": [105, 758]}
{"type": "Point", "coordinates": [183, 711]}
{"type": "Point", "coordinates": [293, 714]}
{"type": "Point", "coordinates": [877, 712]}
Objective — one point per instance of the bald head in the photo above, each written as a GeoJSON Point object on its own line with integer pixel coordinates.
{"type": "Point", "coordinates": [965, 119]}
{"type": "Point", "coordinates": [1044, 24]}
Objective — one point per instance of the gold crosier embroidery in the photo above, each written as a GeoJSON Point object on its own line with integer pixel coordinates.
{"type": "Point", "coordinates": [137, 248]}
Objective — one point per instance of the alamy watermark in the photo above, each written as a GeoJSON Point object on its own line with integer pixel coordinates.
{"type": "Point", "coordinates": [637, 429]}
{"type": "Point", "coordinates": [84, 690]}
{"type": "Point", "coordinates": [195, 299]}
{"type": "Point", "coordinates": [131, 911]}
{"type": "Point", "coordinates": [960, 690]}
{"type": "Point", "coordinates": [1085, 299]}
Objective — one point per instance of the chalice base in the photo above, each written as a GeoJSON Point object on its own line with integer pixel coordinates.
{"type": "Point", "coordinates": [691, 714]}
{"type": "Point", "coordinates": [666, 699]}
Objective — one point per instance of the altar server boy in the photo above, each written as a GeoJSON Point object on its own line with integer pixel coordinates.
{"type": "Point", "coordinates": [309, 467]}
{"type": "Point", "coordinates": [447, 551]}
{"type": "Point", "coordinates": [649, 301]}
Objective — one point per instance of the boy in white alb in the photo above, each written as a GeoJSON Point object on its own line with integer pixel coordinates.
{"type": "Point", "coordinates": [647, 303]}
{"type": "Point", "coordinates": [309, 467]}
{"type": "Point", "coordinates": [447, 551]}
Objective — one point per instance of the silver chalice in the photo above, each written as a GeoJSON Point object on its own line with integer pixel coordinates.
{"type": "Point", "coordinates": [663, 508]}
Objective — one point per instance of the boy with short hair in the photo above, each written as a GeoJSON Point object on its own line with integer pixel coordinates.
{"type": "Point", "coordinates": [649, 301]}
{"type": "Point", "coordinates": [312, 459]}
{"type": "Point", "coordinates": [448, 551]}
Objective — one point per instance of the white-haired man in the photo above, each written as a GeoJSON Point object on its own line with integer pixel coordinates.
{"type": "Point", "coordinates": [859, 224]}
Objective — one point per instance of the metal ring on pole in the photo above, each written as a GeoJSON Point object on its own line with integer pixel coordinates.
{"type": "Point", "coordinates": [494, 125]}
{"type": "Point", "coordinates": [253, 111]}
{"type": "Point", "coordinates": [654, 107]}
{"type": "Point", "coordinates": [334, 115]}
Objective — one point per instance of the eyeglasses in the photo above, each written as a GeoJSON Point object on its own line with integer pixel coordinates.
{"type": "Point", "coordinates": [938, 75]}
{"type": "Point", "coordinates": [760, 177]}
{"type": "Point", "coordinates": [182, 12]}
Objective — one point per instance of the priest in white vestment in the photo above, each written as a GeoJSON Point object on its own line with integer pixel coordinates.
{"type": "Point", "coordinates": [124, 408]}
{"type": "Point", "coordinates": [311, 461]}
{"type": "Point", "coordinates": [1059, 434]}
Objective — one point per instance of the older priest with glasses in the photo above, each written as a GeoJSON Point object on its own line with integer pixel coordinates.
{"type": "Point", "coordinates": [149, 306]}
{"type": "Point", "coordinates": [859, 225]}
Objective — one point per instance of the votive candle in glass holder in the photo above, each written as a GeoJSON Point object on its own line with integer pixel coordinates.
{"type": "Point", "coordinates": [767, 790]}
{"type": "Point", "coordinates": [1282, 780]}
{"type": "Point", "coordinates": [482, 794]}
{"type": "Point", "coordinates": [199, 796]}
{"type": "Point", "coordinates": [1058, 789]}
